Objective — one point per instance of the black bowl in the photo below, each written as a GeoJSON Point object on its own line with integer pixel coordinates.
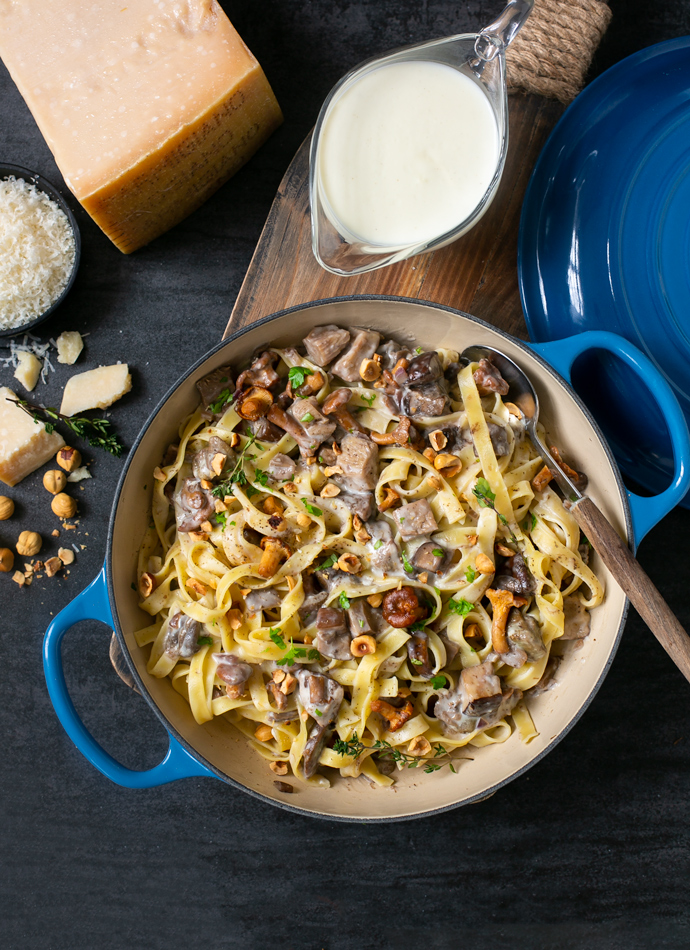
{"type": "Point", "coordinates": [49, 189]}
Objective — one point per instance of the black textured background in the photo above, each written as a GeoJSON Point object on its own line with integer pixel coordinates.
{"type": "Point", "coordinates": [589, 850]}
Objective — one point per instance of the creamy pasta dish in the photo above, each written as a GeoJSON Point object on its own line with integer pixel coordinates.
{"type": "Point", "coordinates": [358, 559]}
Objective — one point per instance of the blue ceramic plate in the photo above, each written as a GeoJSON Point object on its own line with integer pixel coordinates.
{"type": "Point", "coordinates": [605, 244]}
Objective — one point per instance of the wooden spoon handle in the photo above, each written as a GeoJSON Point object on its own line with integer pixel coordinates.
{"type": "Point", "coordinates": [643, 595]}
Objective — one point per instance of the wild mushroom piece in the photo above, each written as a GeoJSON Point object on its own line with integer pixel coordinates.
{"type": "Point", "coordinates": [314, 596]}
{"type": "Point", "coordinates": [252, 404]}
{"type": "Point", "coordinates": [404, 434]}
{"type": "Point", "coordinates": [280, 418]}
{"type": "Point", "coordinates": [260, 373]}
{"type": "Point", "coordinates": [425, 368]}
{"type": "Point", "coordinates": [316, 428]}
{"type": "Point", "coordinates": [275, 552]}
{"type": "Point", "coordinates": [193, 505]}
{"type": "Point", "coordinates": [480, 690]}
{"type": "Point", "coordinates": [515, 576]}
{"type": "Point", "coordinates": [264, 599]}
{"type": "Point", "coordinates": [336, 405]}
{"type": "Point", "coordinates": [579, 479]}
{"type": "Point", "coordinates": [359, 462]}
{"type": "Point", "coordinates": [395, 717]}
{"type": "Point", "coordinates": [577, 619]}
{"type": "Point", "coordinates": [320, 697]}
{"type": "Point", "coordinates": [281, 467]}
{"type": "Point", "coordinates": [415, 519]}
{"type": "Point", "coordinates": [418, 654]}
{"type": "Point", "coordinates": [180, 638]}
{"type": "Point", "coordinates": [208, 463]}
{"type": "Point", "coordinates": [391, 352]}
{"type": "Point", "coordinates": [332, 639]}
{"type": "Point", "coordinates": [362, 618]}
{"type": "Point", "coordinates": [523, 633]}
{"type": "Point", "coordinates": [542, 478]}
{"type": "Point", "coordinates": [323, 344]}
{"type": "Point", "coordinates": [401, 608]}
{"type": "Point", "coordinates": [231, 670]}
{"type": "Point", "coordinates": [429, 556]}
{"type": "Point", "coordinates": [429, 400]}
{"type": "Point", "coordinates": [501, 601]}
{"type": "Point", "coordinates": [362, 347]}
{"type": "Point", "coordinates": [210, 387]}
{"type": "Point", "coordinates": [489, 380]}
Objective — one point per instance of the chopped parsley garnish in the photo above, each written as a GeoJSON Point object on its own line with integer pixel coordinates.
{"type": "Point", "coordinates": [470, 575]}
{"type": "Point", "coordinates": [407, 567]}
{"type": "Point", "coordinates": [416, 662]}
{"type": "Point", "coordinates": [378, 544]}
{"type": "Point", "coordinates": [318, 712]}
{"type": "Point", "coordinates": [205, 641]}
{"type": "Point", "coordinates": [368, 399]}
{"type": "Point", "coordinates": [236, 476]}
{"type": "Point", "coordinates": [221, 518]}
{"type": "Point", "coordinates": [437, 552]}
{"type": "Point", "coordinates": [344, 601]}
{"type": "Point", "coordinates": [330, 561]}
{"type": "Point", "coordinates": [274, 634]}
{"type": "Point", "coordinates": [250, 491]}
{"type": "Point", "coordinates": [298, 374]}
{"type": "Point", "coordinates": [234, 524]}
{"type": "Point", "coordinates": [223, 399]}
{"type": "Point", "coordinates": [307, 418]}
{"type": "Point", "coordinates": [295, 653]}
{"type": "Point", "coordinates": [417, 626]}
{"type": "Point", "coordinates": [321, 461]}
{"type": "Point", "coordinates": [461, 607]}
{"type": "Point", "coordinates": [418, 350]}
{"type": "Point", "coordinates": [438, 682]}
{"type": "Point", "coordinates": [312, 509]}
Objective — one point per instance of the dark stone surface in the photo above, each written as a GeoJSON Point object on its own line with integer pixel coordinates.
{"type": "Point", "coordinates": [589, 850]}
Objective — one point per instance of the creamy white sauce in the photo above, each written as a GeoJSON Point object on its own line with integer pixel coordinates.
{"type": "Point", "coordinates": [407, 153]}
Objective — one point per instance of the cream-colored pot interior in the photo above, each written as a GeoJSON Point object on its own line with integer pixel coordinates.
{"type": "Point", "coordinates": [414, 792]}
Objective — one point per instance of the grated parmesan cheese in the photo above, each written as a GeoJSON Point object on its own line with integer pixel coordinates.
{"type": "Point", "coordinates": [37, 252]}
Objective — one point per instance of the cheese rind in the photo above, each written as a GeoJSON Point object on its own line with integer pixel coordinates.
{"type": "Point", "coordinates": [95, 389]}
{"type": "Point", "coordinates": [24, 445]}
{"type": "Point", "coordinates": [148, 107]}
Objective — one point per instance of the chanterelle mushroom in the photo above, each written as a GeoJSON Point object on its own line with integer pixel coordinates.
{"type": "Point", "coordinates": [336, 405]}
{"type": "Point", "coordinates": [275, 552]}
{"type": "Point", "coordinates": [501, 601]}
{"type": "Point", "coordinates": [320, 696]}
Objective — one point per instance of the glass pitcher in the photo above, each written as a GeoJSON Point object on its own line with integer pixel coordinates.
{"type": "Point", "coordinates": [479, 56]}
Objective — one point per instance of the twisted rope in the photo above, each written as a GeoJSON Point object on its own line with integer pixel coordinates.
{"type": "Point", "coordinates": [552, 53]}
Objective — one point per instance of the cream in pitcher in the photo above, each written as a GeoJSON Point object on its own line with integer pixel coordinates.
{"type": "Point", "coordinates": [407, 153]}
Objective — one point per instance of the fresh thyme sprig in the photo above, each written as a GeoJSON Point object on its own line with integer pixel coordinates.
{"type": "Point", "coordinates": [354, 747]}
{"type": "Point", "coordinates": [96, 432]}
{"type": "Point", "coordinates": [236, 476]}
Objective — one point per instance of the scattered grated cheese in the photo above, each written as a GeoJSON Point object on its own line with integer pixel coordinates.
{"type": "Point", "coordinates": [79, 474]}
{"type": "Point", "coordinates": [30, 344]}
{"type": "Point", "coordinates": [37, 252]}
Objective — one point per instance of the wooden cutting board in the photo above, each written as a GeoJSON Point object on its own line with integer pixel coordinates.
{"type": "Point", "coordinates": [477, 274]}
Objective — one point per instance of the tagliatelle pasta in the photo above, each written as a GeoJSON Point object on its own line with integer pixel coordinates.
{"type": "Point", "coordinates": [358, 559]}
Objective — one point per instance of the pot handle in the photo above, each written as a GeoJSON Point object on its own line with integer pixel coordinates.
{"type": "Point", "coordinates": [93, 604]}
{"type": "Point", "coordinates": [561, 354]}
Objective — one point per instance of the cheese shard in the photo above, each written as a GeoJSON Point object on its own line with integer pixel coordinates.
{"type": "Point", "coordinates": [28, 369]}
{"type": "Point", "coordinates": [24, 445]}
{"type": "Point", "coordinates": [95, 389]}
{"type": "Point", "coordinates": [148, 106]}
{"type": "Point", "coordinates": [69, 346]}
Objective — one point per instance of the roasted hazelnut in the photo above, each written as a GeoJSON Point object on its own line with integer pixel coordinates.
{"type": "Point", "coordinates": [375, 600]}
{"type": "Point", "coordinates": [438, 440]}
{"type": "Point", "coordinates": [29, 543]}
{"type": "Point", "coordinates": [363, 646]}
{"type": "Point", "coordinates": [401, 608]}
{"type": "Point", "coordinates": [68, 458]}
{"type": "Point", "coordinates": [263, 733]}
{"type": "Point", "coordinates": [54, 481]}
{"type": "Point", "coordinates": [280, 768]}
{"type": "Point", "coordinates": [349, 563]}
{"type": "Point", "coordinates": [448, 465]}
{"type": "Point", "coordinates": [64, 506]}
{"type": "Point", "coordinates": [6, 560]}
{"type": "Point", "coordinates": [419, 746]}
{"type": "Point", "coordinates": [6, 508]}
{"type": "Point", "coordinates": [484, 564]}
{"type": "Point", "coordinates": [369, 370]}
{"type": "Point", "coordinates": [147, 583]}
{"type": "Point", "coordinates": [52, 566]}
{"type": "Point", "coordinates": [66, 555]}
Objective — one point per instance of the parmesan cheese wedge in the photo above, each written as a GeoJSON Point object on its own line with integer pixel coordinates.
{"type": "Point", "coordinates": [28, 370]}
{"type": "Point", "coordinates": [95, 389]}
{"type": "Point", "coordinates": [148, 106]}
{"type": "Point", "coordinates": [24, 444]}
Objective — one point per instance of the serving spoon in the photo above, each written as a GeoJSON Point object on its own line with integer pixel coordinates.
{"type": "Point", "coordinates": [603, 537]}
